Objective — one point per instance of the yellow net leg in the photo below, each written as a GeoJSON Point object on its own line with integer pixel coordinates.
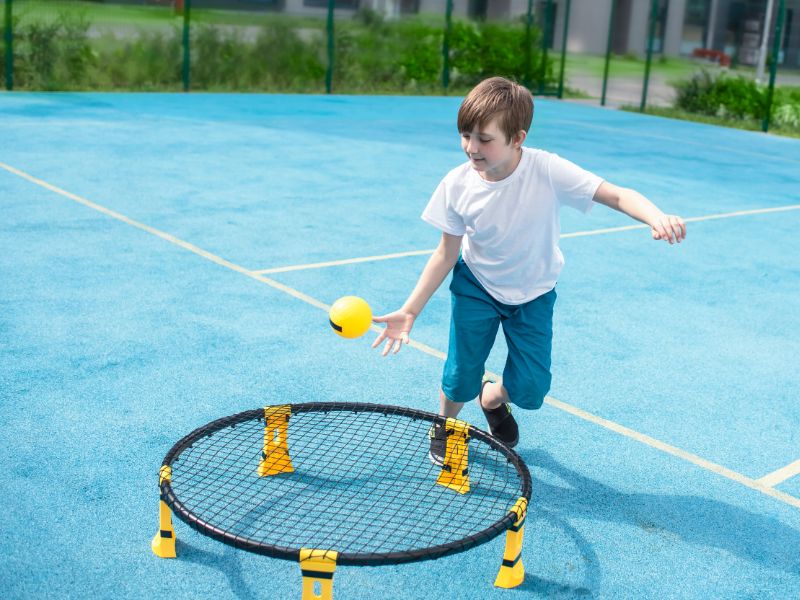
{"type": "Point", "coordinates": [512, 572]}
{"type": "Point", "coordinates": [275, 455]}
{"type": "Point", "coordinates": [163, 544]}
{"type": "Point", "coordinates": [317, 567]}
{"type": "Point", "coordinates": [454, 474]}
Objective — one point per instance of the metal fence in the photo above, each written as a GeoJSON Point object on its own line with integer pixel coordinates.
{"type": "Point", "coordinates": [643, 54]}
{"type": "Point", "coordinates": [274, 45]}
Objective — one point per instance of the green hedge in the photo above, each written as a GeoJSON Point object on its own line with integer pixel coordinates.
{"type": "Point", "coordinates": [372, 55]}
{"type": "Point", "coordinates": [737, 98]}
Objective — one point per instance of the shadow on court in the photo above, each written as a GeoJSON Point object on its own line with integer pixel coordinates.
{"type": "Point", "coordinates": [695, 520]}
{"type": "Point", "coordinates": [226, 562]}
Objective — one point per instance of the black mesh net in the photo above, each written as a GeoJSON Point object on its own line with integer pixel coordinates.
{"type": "Point", "coordinates": [362, 485]}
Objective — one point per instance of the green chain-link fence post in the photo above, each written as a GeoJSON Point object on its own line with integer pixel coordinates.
{"type": "Point", "coordinates": [565, 33]}
{"type": "Point", "coordinates": [651, 34]}
{"type": "Point", "coordinates": [528, 44]}
{"type": "Point", "coordinates": [187, 59]}
{"type": "Point", "coordinates": [773, 67]}
{"type": "Point", "coordinates": [547, 31]}
{"type": "Point", "coordinates": [331, 48]}
{"type": "Point", "coordinates": [608, 51]}
{"type": "Point", "coordinates": [448, 28]}
{"type": "Point", "coordinates": [9, 42]}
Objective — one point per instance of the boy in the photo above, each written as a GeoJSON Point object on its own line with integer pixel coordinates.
{"type": "Point", "coordinates": [499, 218]}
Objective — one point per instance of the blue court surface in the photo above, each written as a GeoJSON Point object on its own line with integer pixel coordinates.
{"type": "Point", "coordinates": [167, 260]}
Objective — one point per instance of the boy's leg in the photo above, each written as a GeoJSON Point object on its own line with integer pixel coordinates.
{"type": "Point", "coordinates": [473, 329]}
{"type": "Point", "coordinates": [529, 336]}
{"type": "Point", "coordinates": [497, 411]}
{"type": "Point", "coordinates": [448, 408]}
{"type": "Point", "coordinates": [474, 320]}
{"type": "Point", "coordinates": [494, 394]}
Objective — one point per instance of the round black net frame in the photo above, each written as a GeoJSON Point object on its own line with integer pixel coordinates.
{"type": "Point", "coordinates": [184, 513]}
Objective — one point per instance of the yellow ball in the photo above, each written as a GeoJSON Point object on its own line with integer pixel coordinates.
{"type": "Point", "coordinates": [350, 316]}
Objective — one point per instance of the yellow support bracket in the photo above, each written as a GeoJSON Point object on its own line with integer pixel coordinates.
{"type": "Point", "coordinates": [455, 472]}
{"type": "Point", "coordinates": [512, 572]}
{"type": "Point", "coordinates": [275, 457]}
{"type": "Point", "coordinates": [317, 567]}
{"type": "Point", "coordinates": [163, 543]}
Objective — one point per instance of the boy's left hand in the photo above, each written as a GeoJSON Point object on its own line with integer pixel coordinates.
{"type": "Point", "coordinates": [670, 228]}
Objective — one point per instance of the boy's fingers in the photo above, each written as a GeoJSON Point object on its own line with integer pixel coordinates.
{"type": "Point", "coordinates": [379, 339]}
{"type": "Point", "coordinates": [681, 227]}
{"type": "Point", "coordinates": [387, 347]}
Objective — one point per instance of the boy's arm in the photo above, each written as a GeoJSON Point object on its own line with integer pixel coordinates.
{"type": "Point", "coordinates": [663, 227]}
{"type": "Point", "coordinates": [400, 322]}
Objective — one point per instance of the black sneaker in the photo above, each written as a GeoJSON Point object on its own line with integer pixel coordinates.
{"type": "Point", "coordinates": [502, 424]}
{"type": "Point", "coordinates": [438, 435]}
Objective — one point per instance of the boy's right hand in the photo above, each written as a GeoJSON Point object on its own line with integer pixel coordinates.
{"type": "Point", "coordinates": [398, 326]}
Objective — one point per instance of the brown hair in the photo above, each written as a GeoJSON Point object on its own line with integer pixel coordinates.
{"type": "Point", "coordinates": [497, 97]}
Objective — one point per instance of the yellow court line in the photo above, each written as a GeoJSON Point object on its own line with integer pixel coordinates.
{"type": "Point", "coordinates": [781, 475]}
{"type": "Point", "coordinates": [568, 408]}
{"type": "Point", "coordinates": [362, 259]}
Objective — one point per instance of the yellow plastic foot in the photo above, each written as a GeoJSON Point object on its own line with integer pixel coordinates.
{"type": "Point", "coordinates": [163, 543]}
{"type": "Point", "coordinates": [275, 457]}
{"type": "Point", "coordinates": [512, 572]}
{"type": "Point", "coordinates": [317, 567]}
{"type": "Point", "coordinates": [454, 474]}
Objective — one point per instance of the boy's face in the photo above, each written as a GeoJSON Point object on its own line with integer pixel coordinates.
{"type": "Point", "coordinates": [489, 152]}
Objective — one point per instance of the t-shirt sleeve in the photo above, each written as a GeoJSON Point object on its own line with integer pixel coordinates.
{"type": "Point", "coordinates": [440, 213]}
{"type": "Point", "coordinates": [573, 186]}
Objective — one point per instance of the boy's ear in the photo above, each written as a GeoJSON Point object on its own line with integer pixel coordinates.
{"type": "Point", "coordinates": [519, 138]}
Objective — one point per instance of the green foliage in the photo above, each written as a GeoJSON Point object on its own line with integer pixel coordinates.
{"type": "Point", "coordinates": [284, 61]}
{"type": "Point", "coordinates": [372, 55]}
{"type": "Point", "coordinates": [485, 49]}
{"type": "Point", "coordinates": [52, 55]}
{"type": "Point", "coordinates": [737, 98]}
{"type": "Point", "coordinates": [724, 96]}
{"type": "Point", "coordinates": [787, 116]}
{"type": "Point", "coordinates": [149, 62]}
{"type": "Point", "coordinates": [278, 60]}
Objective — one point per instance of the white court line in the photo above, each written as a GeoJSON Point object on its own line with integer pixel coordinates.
{"type": "Point", "coordinates": [781, 474]}
{"type": "Point", "coordinates": [350, 261]}
{"type": "Point", "coordinates": [347, 261]}
{"type": "Point", "coordinates": [169, 238]}
{"type": "Point", "coordinates": [568, 408]}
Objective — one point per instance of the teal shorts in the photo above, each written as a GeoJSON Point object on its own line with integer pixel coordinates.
{"type": "Point", "coordinates": [475, 317]}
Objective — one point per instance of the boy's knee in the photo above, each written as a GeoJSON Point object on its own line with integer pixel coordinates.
{"type": "Point", "coordinates": [530, 394]}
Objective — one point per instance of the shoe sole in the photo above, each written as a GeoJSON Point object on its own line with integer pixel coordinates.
{"type": "Point", "coordinates": [509, 444]}
{"type": "Point", "coordinates": [436, 461]}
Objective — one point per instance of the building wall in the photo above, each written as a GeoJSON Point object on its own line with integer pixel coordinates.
{"type": "Point", "coordinates": [588, 26]}
{"type": "Point", "coordinates": [589, 19]}
{"type": "Point", "coordinates": [674, 29]}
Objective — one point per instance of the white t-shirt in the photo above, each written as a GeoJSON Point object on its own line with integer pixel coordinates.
{"type": "Point", "coordinates": [511, 227]}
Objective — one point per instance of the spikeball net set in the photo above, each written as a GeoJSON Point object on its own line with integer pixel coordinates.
{"type": "Point", "coordinates": [328, 484]}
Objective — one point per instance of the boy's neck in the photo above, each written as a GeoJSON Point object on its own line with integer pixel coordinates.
{"type": "Point", "coordinates": [510, 167]}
